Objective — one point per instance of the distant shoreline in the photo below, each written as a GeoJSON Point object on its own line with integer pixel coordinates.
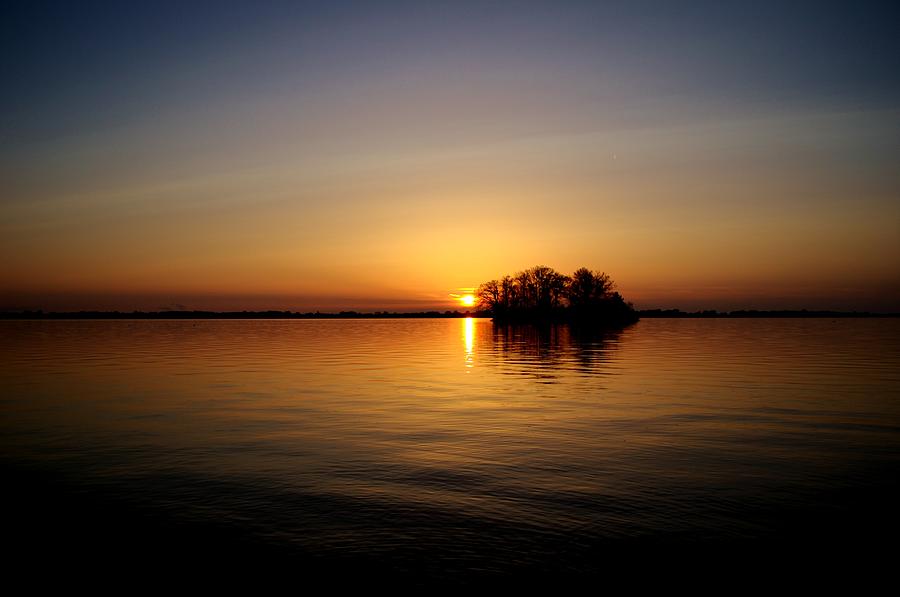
{"type": "Point", "coordinates": [753, 313]}
{"type": "Point", "coordinates": [649, 314]}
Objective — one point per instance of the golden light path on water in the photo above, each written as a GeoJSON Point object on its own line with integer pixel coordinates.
{"type": "Point", "coordinates": [370, 439]}
{"type": "Point", "coordinates": [468, 335]}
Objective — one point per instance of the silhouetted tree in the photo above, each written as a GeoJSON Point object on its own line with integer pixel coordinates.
{"type": "Point", "coordinates": [507, 290]}
{"type": "Point", "coordinates": [488, 296]}
{"type": "Point", "coordinates": [549, 287]}
{"type": "Point", "coordinates": [587, 290]}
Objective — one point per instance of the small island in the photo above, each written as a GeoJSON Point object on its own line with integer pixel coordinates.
{"type": "Point", "coordinates": [542, 294]}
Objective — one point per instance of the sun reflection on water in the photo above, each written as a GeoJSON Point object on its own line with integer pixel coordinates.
{"type": "Point", "coordinates": [468, 335]}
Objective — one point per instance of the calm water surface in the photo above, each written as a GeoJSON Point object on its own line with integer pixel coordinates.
{"type": "Point", "coordinates": [452, 447]}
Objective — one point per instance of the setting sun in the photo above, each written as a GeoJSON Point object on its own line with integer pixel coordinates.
{"type": "Point", "coordinates": [467, 300]}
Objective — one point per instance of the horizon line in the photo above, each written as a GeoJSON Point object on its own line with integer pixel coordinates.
{"type": "Point", "coordinates": [37, 314]}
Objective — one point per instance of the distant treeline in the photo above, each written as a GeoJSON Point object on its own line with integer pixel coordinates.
{"type": "Point", "coordinates": [649, 313]}
{"type": "Point", "coordinates": [544, 294]}
{"type": "Point", "coordinates": [234, 315]}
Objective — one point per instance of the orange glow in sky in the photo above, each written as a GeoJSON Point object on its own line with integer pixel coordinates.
{"type": "Point", "coordinates": [361, 161]}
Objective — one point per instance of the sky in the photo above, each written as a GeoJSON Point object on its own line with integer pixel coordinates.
{"type": "Point", "coordinates": [389, 155]}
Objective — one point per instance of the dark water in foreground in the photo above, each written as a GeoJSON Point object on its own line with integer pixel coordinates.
{"type": "Point", "coordinates": [448, 450]}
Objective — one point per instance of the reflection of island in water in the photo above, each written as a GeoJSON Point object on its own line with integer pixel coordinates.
{"type": "Point", "coordinates": [545, 350]}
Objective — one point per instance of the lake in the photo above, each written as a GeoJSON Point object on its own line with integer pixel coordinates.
{"type": "Point", "coordinates": [448, 450]}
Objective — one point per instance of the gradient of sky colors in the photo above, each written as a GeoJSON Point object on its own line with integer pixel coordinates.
{"type": "Point", "coordinates": [384, 155]}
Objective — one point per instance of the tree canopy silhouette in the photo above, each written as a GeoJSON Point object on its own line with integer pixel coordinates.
{"type": "Point", "coordinates": [542, 293]}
